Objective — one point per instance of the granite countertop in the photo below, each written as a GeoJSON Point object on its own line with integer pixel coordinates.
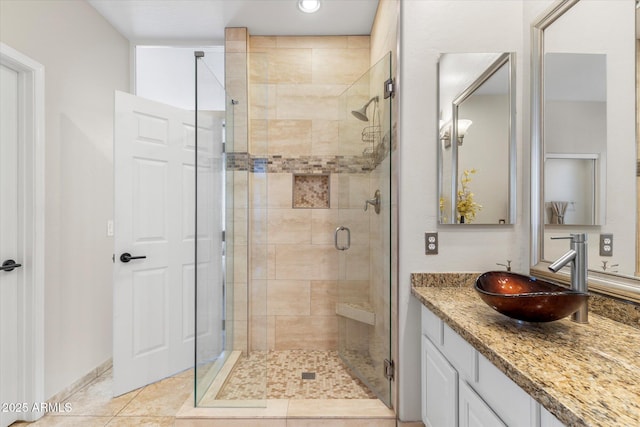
{"type": "Point", "coordinates": [586, 375]}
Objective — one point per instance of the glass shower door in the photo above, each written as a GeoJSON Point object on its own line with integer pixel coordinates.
{"type": "Point", "coordinates": [363, 237]}
{"type": "Point", "coordinates": [213, 115]}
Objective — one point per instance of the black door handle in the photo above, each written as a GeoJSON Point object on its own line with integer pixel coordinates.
{"type": "Point", "coordinates": [9, 265]}
{"type": "Point", "coordinates": [126, 257]}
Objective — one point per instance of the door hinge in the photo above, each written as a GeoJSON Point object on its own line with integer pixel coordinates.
{"type": "Point", "coordinates": [224, 147]}
{"type": "Point", "coordinates": [389, 369]}
{"type": "Point", "coordinates": [389, 88]}
{"type": "Point", "coordinates": [224, 325]}
{"type": "Point", "coordinates": [224, 236]}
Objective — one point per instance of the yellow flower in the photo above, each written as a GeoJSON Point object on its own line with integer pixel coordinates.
{"type": "Point", "coordinates": [443, 217]}
{"type": "Point", "coordinates": [465, 205]}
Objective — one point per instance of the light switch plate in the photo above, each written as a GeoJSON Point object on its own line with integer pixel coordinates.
{"type": "Point", "coordinates": [431, 243]}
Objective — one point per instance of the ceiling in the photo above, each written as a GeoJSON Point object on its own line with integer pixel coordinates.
{"type": "Point", "coordinates": [204, 21]}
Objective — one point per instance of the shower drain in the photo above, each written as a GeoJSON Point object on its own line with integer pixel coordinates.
{"type": "Point", "coordinates": [308, 375]}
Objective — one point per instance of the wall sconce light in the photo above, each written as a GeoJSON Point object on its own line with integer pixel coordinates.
{"type": "Point", "coordinates": [445, 131]}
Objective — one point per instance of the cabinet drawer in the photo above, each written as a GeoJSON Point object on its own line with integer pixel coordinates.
{"type": "Point", "coordinates": [547, 419]}
{"type": "Point", "coordinates": [432, 326]}
{"type": "Point", "coordinates": [514, 406]}
{"type": "Point", "coordinates": [473, 411]}
{"type": "Point", "coordinates": [460, 353]}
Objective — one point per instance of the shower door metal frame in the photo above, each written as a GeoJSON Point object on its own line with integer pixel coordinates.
{"type": "Point", "coordinates": [380, 372]}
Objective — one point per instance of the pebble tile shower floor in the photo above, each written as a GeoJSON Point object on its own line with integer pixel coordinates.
{"type": "Point", "coordinates": [278, 375]}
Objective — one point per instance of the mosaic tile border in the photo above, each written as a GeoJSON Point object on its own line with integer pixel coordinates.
{"type": "Point", "coordinates": [278, 163]}
{"type": "Point", "coordinates": [298, 165]}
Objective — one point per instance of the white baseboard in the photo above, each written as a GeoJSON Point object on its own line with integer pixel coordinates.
{"type": "Point", "coordinates": [67, 392]}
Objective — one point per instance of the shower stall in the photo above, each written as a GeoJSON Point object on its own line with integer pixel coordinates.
{"type": "Point", "coordinates": [293, 239]}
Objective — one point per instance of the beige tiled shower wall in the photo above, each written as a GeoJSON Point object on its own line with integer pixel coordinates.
{"type": "Point", "coordinates": [294, 110]}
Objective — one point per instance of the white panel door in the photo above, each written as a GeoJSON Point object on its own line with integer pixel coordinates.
{"type": "Point", "coordinates": [154, 315]}
{"type": "Point", "coordinates": [9, 247]}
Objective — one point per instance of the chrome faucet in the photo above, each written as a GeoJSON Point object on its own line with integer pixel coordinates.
{"type": "Point", "coordinates": [577, 256]}
{"type": "Point", "coordinates": [375, 202]}
{"type": "Point", "coordinates": [507, 265]}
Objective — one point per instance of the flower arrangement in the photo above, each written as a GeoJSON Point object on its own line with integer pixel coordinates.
{"type": "Point", "coordinates": [443, 217]}
{"type": "Point", "coordinates": [467, 208]}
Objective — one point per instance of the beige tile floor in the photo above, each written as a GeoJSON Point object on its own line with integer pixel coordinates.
{"type": "Point", "coordinates": [154, 405]}
{"type": "Point", "coordinates": [158, 405]}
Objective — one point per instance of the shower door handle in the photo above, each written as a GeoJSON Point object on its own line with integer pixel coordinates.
{"type": "Point", "coordinates": [335, 238]}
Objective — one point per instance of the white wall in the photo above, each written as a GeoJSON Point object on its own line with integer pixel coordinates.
{"type": "Point", "coordinates": [457, 72]}
{"type": "Point", "coordinates": [166, 74]}
{"type": "Point", "coordinates": [85, 60]}
{"type": "Point", "coordinates": [428, 29]}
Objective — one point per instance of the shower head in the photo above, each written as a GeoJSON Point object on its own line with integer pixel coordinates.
{"type": "Point", "coordinates": [361, 114]}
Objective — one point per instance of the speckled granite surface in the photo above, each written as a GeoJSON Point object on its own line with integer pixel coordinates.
{"type": "Point", "coordinates": [620, 311]}
{"type": "Point", "coordinates": [586, 375]}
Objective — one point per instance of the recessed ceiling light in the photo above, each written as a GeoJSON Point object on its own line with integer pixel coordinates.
{"type": "Point", "coordinates": [309, 6]}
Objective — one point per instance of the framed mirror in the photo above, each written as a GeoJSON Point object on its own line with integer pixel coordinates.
{"type": "Point", "coordinates": [583, 141]}
{"type": "Point", "coordinates": [476, 140]}
{"type": "Point", "coordinates": [575, 135]}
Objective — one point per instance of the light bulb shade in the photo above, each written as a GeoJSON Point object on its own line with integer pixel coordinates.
{"type": "Point", "coordinates": [463, 127]}
{"type": "Point", "coordinates": [445, 129]}
{"type": "Point", "coordinates": [309, 6]}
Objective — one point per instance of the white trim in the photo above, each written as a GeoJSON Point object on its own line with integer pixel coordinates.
{"type": "Point", "coordinates": [31, 81]}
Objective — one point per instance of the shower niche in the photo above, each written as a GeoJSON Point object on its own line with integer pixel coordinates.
{"type": "Point", "coordinates": [311, 191]}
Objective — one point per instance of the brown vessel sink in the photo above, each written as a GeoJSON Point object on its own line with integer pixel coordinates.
{"type": "Point", "coordinates": [527, 298]}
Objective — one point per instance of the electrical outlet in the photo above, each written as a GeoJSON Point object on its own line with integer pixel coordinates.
{"type": "Point", "coordinates": [606, 245]}
{"type": "Point", "coordinates": [431, 243]}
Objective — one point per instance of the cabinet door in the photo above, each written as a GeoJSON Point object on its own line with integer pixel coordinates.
{"type": "Point", "coordinates": [439, 388]}
{"type": "Point", "coordinates": [474, 412]}
{"type": "Point", "coordinates": [547, 419]}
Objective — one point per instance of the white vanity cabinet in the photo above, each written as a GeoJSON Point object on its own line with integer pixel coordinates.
{"type": "Point", "coordinates": [462, 388]}
{"type": "Point", "coordinates": [439, 388]}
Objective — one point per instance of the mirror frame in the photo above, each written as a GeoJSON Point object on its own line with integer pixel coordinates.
{"type": "Point", "coordinates": [624, 287]}
{"type": "Point", "coordinates": [508, 59]}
